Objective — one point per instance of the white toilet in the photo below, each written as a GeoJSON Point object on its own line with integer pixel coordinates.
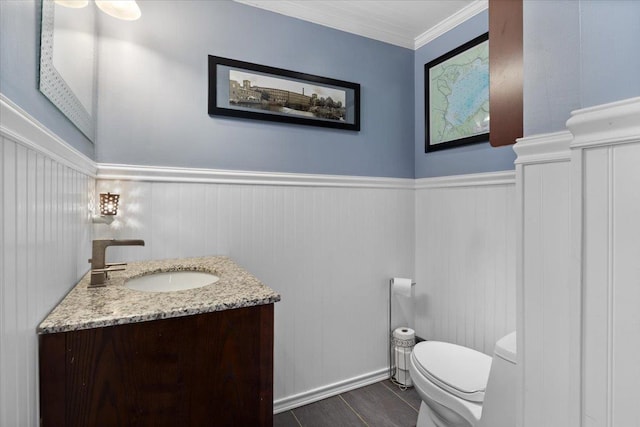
{"type": "Point", "coordinates": [461, 387]}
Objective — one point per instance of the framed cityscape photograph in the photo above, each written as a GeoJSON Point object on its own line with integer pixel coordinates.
{"type": "Point", "coordinates": [457, 96]}
{"type": "Point", "coordinates": [252, 91]}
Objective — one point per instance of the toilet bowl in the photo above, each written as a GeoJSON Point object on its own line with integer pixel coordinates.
{"type": "Point", "coordinates": [461, 387]}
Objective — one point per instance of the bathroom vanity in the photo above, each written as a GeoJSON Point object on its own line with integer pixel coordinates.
{"type": "Point", "coordinates": [122, 357]}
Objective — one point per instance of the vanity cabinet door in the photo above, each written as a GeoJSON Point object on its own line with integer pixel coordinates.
{"type": "Point", "coordinates": [213, 369]}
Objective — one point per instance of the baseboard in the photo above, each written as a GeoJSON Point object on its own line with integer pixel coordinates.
{"type": "Point", "coordinates": [307, 397]}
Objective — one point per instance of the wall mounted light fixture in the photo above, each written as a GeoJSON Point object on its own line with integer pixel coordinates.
{"type": "Point", "coordinates": [108, 208]}
{"type": "Point", "coordinates": [109, 203]}
{"type": "Point", "coordinates": [127, 10]}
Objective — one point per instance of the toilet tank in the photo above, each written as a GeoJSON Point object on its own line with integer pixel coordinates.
{"type": "Point", "coordinates": [506, 348]}
{"type": "Point", "coordinates": [499, 407]}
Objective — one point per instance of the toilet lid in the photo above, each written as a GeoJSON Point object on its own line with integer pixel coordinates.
{"type": "Point", "coordinates": [459, 370]}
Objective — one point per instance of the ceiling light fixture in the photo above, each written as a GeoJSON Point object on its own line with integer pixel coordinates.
{"type": "Point", "coordinates": [127, 10]}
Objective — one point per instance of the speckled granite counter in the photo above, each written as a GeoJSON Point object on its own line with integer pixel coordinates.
{"type": "Point", "coordinates": [114, 304]}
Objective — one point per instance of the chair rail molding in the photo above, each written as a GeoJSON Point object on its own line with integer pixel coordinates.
{"type": "Point", "coordinates": [613, 123]}
{"type": "Point", "coordinates": [468, 180]}
{"type": "Point", "coordinates": [24, 129]}
{"type": "Point", "coordinates": [219, 176]}
{"type": "Point", "coordinates": [543, 148]}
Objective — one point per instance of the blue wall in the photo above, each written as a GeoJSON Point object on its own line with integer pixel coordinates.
{"type": "Point", "coordinates": [153, 93]}
{"type": "Point", "coordinates": [19, 59]}
{"type": "Point", "coordinates": [474, 158]}
{"type": "Point", "coordinates": [153, 78]}
{"type": "Point", "coordinates": [610, 38]}
{"type": "Point", "coordinates": [577, 54]}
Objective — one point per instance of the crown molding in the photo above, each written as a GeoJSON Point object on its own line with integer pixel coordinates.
{"type": "Point", "coordinates": [451, 22]}
{"type": "Point", "coordinates": [299, 10]}
{"type": "Point", "coordinates": [19, 126]}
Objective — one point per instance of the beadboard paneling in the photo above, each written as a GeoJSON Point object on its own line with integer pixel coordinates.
{"type": "Point", "coordinates": [611, 285]}
{"type": "Point", "coordinates": [548, 300]}
{"type": "Point", "coordinates": [329, 251]}
{"type": "Point", "coordinates": [465, 259]}
{"type": "Point", "coordinates": [46, 241]}
{"type": "Point", "coordinates": [550, 350]}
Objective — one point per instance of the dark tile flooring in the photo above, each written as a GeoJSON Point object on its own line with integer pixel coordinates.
{"type": "Point", "coordinates": [378, 405]}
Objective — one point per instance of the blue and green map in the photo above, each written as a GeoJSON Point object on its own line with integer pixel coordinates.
{"type": "Point", "coordinates": [459, 96]}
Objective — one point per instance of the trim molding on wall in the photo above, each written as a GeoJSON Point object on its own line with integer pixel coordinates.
{"type": "Point", "coordinates": [330, 19]}
{"type": "Point", "coordinates": [616, 122]}
{"type": "Point", "coordinates": [307, 397]}
{"type": "Point", "coordinates": [217, 176]}
{"type": "Point", "coordinates": [469, 180]}
{"type": "Point", "coordinates": [21, 127]}
{"type": "Point", "coordinates": [301, 11]}
{"type": "Point", "coordinates": [543, 148]}
{"type": "Point", "coordinates": [451, 22]}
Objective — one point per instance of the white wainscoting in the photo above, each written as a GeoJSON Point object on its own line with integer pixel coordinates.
{"type": "Point", "coordinates": [46, 240]}
{"type": "Point", "coordinates": [578, 271]}
{"type": "Point", "coordinates": [548, 301]}
{"type": "Point", "coordinates": [465, 259]}
{"type": "Point", "coordinates": [329, 248]}
{"type": "Point", "coordinates": [606, 154]}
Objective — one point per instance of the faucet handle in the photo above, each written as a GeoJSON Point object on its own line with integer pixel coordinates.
{"type": "Point", "coordinates": [106, 270]}
{"type": "Point", "coordinates": [115, 264]}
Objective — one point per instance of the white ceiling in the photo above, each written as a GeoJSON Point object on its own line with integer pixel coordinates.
{"type": "Point", "coordinates": [406, 23]}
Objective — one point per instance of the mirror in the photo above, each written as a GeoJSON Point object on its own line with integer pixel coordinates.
{"type": "Point", "coordinates": [68, 62]}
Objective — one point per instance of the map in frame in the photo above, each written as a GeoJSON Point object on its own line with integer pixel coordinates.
{"type": "Point", "coordinates": [457, 96]}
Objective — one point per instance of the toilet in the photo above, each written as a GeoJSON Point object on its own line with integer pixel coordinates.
{"type": "Point", "coordinates": [461, 387]}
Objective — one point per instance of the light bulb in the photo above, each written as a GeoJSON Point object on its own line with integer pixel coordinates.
{"type": "Point", "coordinates": [121, 9]}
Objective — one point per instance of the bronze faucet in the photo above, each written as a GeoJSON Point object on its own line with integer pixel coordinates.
{"type": "Point", "coordinates": [99, 268]}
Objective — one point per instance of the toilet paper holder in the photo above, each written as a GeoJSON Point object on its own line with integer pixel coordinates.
{"type": "Point", "coordinates": [403, 287]}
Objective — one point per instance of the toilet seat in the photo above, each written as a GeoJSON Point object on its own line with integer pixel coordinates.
{"type": "Point", "coordinates": [461, 371]}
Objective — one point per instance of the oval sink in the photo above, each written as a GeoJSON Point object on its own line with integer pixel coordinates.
{"type": "Point", "coordinates": [171, 281]}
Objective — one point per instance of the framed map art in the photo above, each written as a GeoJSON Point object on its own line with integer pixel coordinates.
{"type": "Point", "coordinates": [457, 96]}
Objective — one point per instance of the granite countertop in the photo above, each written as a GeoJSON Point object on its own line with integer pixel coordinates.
{"type": "Point", "coordinates": [114, 304]}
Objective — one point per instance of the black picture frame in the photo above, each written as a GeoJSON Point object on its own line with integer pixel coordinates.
{"type": "Point", "coordinates": [263, 95]}
{"type": "Point", "coordinates": [483, 136]}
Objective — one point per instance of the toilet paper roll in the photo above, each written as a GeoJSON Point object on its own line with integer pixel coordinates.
{"type": "Point", "coordinates": [401, 286]}
{"type": "Point", "coordinates": [403, 377]}
{"type": "Point", "coordinates": [402, 355]}
{"type": "Point", "coordinates": [404, 337]}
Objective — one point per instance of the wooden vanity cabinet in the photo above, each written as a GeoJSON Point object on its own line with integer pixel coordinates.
{"type": "Point", "coordinates": [213, 369]}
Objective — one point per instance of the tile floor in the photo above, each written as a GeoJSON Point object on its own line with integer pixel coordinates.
{"type": "Point", "coordinates": [378, 405]}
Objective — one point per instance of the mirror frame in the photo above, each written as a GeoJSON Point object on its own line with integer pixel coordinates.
{"type": "Point", "coordinates": [52, 84]}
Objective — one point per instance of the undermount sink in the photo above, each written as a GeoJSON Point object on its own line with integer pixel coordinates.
{"type": "Point", "coordinates": [171, 281]}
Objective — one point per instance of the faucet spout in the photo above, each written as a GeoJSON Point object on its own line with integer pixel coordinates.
{"type": "Point", "coordinates": [99, 268]}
